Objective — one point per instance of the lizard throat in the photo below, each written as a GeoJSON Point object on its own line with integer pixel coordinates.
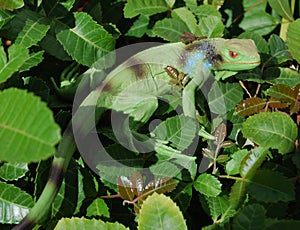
{"type": "Point", "coordinates": [203, 52]}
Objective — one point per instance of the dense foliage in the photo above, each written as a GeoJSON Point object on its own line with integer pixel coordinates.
{"type": "Point", "coordinates": [247, 177]}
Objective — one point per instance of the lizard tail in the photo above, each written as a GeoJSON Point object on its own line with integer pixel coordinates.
{"type": "Point", "coordinates": [60, 164]}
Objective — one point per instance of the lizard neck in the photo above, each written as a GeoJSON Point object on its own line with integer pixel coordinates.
{"type": "Point", "coordinates": [200, 54]}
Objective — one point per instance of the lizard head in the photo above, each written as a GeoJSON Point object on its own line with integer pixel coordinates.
{"type": "Point", "coordinates": [236, 54]}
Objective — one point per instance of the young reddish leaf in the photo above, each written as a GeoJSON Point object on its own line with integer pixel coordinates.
{"type": "Point", "coordinates": [125, 188]}
{"type": "Point", "coordinates": [283, 93]}
{"type": "Point", "coordinates": [137, 183]}
{"type": "Point", "coordinates": [220, 134]}
{"type": "Point", "coordinates": [276, 104]}
{"type": "Point", "coordinates": [160, 185]}
{"type": "Point", "coordinates": [227, 144]}
{"type": "Point", "coordinates": [250, 106]}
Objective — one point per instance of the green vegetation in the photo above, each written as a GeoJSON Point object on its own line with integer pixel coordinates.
{"type": "Point", "coordinates": [246, 177]}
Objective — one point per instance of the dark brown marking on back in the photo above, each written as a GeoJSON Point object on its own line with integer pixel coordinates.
{"type": "Point", "coordinates": [57, 175]}
{"type": "Point", "coordinates": [26, 224]}
{"type": "Point", "coordinates": [105, 87]}
{"type": "Point", "coordinates": [136, 66]}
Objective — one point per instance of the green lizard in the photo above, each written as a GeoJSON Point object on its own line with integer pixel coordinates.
{"type": "Point", "coordinates": [145, 69]}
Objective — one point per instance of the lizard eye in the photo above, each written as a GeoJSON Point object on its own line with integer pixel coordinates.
{"type": "Point", "coordinates": [233, 54]}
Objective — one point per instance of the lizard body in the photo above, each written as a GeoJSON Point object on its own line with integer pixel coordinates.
{"type": "Point", "coordinates": [196, 60]}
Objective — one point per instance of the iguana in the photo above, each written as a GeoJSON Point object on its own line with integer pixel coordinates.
{"type": "Point", "coordinates": [197, 60]}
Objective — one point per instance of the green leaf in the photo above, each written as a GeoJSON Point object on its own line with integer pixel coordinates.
{"type": "Point", "coordinates": [282, 7]}
{"type": "Point", "coordinates": [178, 131]}
{"type": "Point", "coordinates": [9, 171]}
{"type": "Point", "coordinates": [139, 99]}
{"type": "Point", "coordinates": [270, 186]}
{"type": "Point", "coordinates": [293, 34]}
{"type": "Point", "coordinates": [280, 75]}
{"type": "Point", "coordinates": [237, 193]}
{"type": "Point", "coordinates": [11, 4]}
{"type": "Point", "coordinates": [275, 130]}
{"type": "Point", "coordinates": [15, 204]}
{"type": "Point", "coordinates": [32, 32]}
{"type": "Point", "coordinates": [220, 208]}
{"type": "Point", "coordinates": [87, 42]}
{"type": "Point", "coordinates": [86, 224]}
{"type": "Point", "coordinates": [208, 185]}
{"type": "Point", "coordinates": [186, 16]}
{"type": "Point", "coordinates": [71, 193]}
{"type": "Point", "coordinates": [211, 27]}
{"type": "Point", "coordinates": [203, 11]}
{"type": "Point", "coordinates": [33, 60]}
{"type": "Point", "coordinates": [108, 170]}
{"type": "Point", "coordinates": [5, 17]}
{"type": "Point", "coordinates": [223, 97]}
{"type": "Point", "coordinates": [17, 55]}
{"type": "Point", "coordinates": [57, 8]}
{"type": "Point", "coordinates": [250, 217]}
{"type": "Point", "coordinates": [278, 50]}
{"type": "Point", "coordinates": [27, 128]}
{"type": "Point", "coordinates": [275, 224]}
{"type": "Point", "coordinates": [146, 7]}
{"type": "Point", "coordinates": [170, 29]}
{"type": "Point", "coordinates": [233, 166]}
{"type": "Point", "coordinates": [98, 208]}
{"type": "Point", "coordinates": [256, 19]}
{"type": "Point", "coordinates": [160, 212]}
{"type": "Point", "coordinates": [167, 153]}
{"type": "Point", "coordinates": [250, 106]}
{"type": "Point", "coordinates": [139, 27]}
{"type": "Point", "coordinates": [253, 161]}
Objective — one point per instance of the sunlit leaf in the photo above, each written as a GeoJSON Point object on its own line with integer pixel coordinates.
{"type": "Point", "coordinates": [252, 161]}
{"type": "Point", "coordinates": [282, 7]}
{"type": "Point", "coordinates": [17, 56]}
{"type": "Point", "coordinates": [14, 203]}
{"type": "Point", "coordinates": [11, 4]}
{"type": "Point", "coordinates": [87, 41]}
{"type": "Point", "coordinates": [208, 185]}
{"type": "Point", "coordinates": [146, 7]}
{"type": "Point", "coordinates": [233, 166]}
{"type": "Point", "coordinates": [5, 16]}
{"type": "Point", "coordinates": [275, 130]}
{"type": "Point", "coordinates": [160, 212]}
{"type": "Point", "coordinates": [27, 128]}
{"type": "Point", "coordinates": [87, 224]}
{"type": "Point", "coordinates": [293, 34]}
{"type": "Point", "coordinates": [139, 27]}
{"type": "Point", "coordinates": [98, 208]}
{"type": "Point", "coordinates": [32, 32]}
{"type": "Point", "coordinates": [9, 171]}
